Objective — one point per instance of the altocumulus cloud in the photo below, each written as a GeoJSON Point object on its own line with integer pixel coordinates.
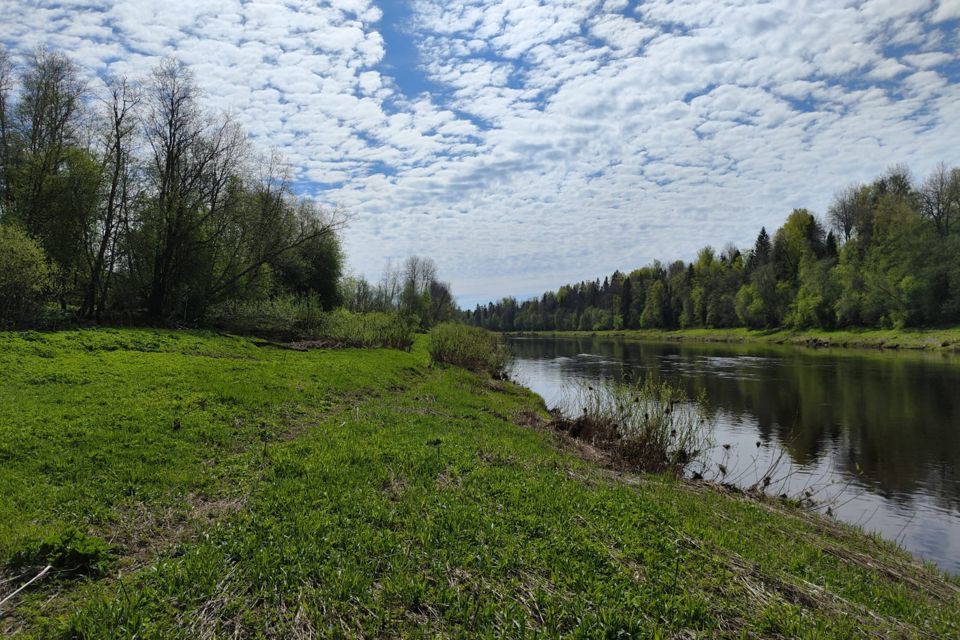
{"type": "Point", "coordinates": [523, 144]}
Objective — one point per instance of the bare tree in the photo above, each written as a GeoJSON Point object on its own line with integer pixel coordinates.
{"type": "Point", "coordinates": [418, 274]}
{"type": "Point", "coordinates": [843, 211]}
{"type": "Point", "coordinates": [191, 160]}
{"type": "Point", "coordinates": [390, 287]}
{"type": "Point", "coordinates": [935, 198]}
{"type": "Point", "coordinates": [6, 144]}
{"type": "Point", "coordinates": [120, 105]}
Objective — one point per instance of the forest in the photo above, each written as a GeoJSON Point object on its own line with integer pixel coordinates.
{"type": "Point", "coordinates": [887, 254]}
{"type": "Point", "coordinates": [127, 200]}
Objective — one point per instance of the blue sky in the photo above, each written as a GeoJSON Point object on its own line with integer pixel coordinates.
{"type": "Point", "coordinates": [523, 144]}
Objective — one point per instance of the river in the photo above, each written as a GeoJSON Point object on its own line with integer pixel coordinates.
{"type": "Point", "coordinates": [873, 436]}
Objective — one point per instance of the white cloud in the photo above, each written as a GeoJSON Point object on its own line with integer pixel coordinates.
{"type": "Point", "coordinates": [947, 10]}
{"type": "Point", "coordinates": [565, 138]}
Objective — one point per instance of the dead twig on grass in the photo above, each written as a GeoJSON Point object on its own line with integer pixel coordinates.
{"type": "Point", "coordinates": [46, 569]}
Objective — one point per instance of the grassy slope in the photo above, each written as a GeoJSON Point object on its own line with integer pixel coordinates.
{"type": "Point", "coordinates": [307, 494]}
{"type": "Point", "coordinates": [915, 339]}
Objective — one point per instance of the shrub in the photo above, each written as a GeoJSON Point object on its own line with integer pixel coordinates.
{"type": "Point", "coordinates": [303, 320]}
{"type": "Point", "coordinates": [25, 277]}
{"type": "Point", "coordinates": [373, 329]}
{"type": "Point", "coordinates": [472, 348]}
{"type": "Point", "coordinates": [650, 426]}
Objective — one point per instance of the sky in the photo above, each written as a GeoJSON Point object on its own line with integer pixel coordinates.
{"type": "Point", "coordinates": [524, 144]}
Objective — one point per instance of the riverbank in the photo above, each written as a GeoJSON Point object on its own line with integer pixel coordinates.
{"type": "Point", "coordinates": [191, 485]}
{"type": "Point", "coordinates": [946, 340]}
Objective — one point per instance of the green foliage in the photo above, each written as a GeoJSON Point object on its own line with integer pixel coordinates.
{"type": "Point", "coordinates": [374, 329]}
{"type": "Point", "coordinates": [313, 269]}
{"type": "Point", "coordinates": [289, 318]}
{"type": "Point", "coordinates": [653, 310]}
{"type": "Point", "coordinates": [25, 276]}
{"type": "Point", "coordinates": [816, 299]}
{"type": "Point", "coordinates": [70, 552]}
{"type": "Point", "coordinates": [280, 317]}
{"type": "Point", "coordinates": [472, 348]}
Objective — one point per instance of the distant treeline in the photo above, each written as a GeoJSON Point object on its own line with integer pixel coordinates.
{"type": "Point", "coordinates": [129, 198]}
{"type": "Point", "coordinates": [887, 255]}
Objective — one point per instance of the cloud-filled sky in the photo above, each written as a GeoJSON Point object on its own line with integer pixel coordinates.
{"type": "Point", "coordinates": [523, 144]}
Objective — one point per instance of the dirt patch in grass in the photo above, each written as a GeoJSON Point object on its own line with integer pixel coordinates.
{"type": "Point", "coordinates": [143, 533]}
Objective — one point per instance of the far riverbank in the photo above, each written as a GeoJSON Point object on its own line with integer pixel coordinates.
{"type": "Point", "coordinates": [946, 339]}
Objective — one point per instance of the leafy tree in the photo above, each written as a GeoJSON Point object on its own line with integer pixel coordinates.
{"type": "Point", "coordinates": [25, 276]}
{"type": "Point", "coordinates": [626, 302]}
{"type": "Point", "coordinates": [653, 310]}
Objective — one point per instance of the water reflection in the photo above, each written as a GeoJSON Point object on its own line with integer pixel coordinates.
{"type": "Point", "coordinates": [883, 429]}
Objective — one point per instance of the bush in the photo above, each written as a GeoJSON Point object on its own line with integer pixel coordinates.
{"type": "Point", "coordinates": [650, 426]}
{"type": "Point", "coordinates": [25, 277]}
{"type": "Point", "coordinates": [373, 329]}
{"type": "Point", "coordinates": [472, 348]}
{"type": "Point", "coordinates": [303, 320]}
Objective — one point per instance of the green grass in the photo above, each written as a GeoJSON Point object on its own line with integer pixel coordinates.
{"type": "Point", "coordinates": [944, 339]}
{"type": "Point", "coordinates": [244, 491]}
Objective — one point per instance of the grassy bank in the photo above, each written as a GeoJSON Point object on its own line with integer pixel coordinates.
{"type": "Point", "coordinates": [912, 339]}
{"type": "Point", "coordinates": [186, 485]}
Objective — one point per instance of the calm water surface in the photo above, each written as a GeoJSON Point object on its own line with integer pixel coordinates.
{"type": "Point", "coordinates": [876, 436]}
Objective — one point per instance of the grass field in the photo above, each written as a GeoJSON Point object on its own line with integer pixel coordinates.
{"type": "Point", "coordinates": [944, 339]}
{"type": "Point", "coordinates": [187, 485]}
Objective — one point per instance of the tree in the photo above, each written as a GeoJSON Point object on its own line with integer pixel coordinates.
{"type": "Point", "coordinates": [24, 276]}
{"type": "Point", "coordinates": [653, 311]}
{"type": "Point", "coordinates": [762, 250]}
{"type": "Point", "coordinates": [6, 131]}
{"type": "Point", "coordinates": [843, 211]}
{"type": "Point", "coordinates": [801, 233]}
{"type": "Point", "coordinates": [816, 296]}
{"type": "Point", "coordinates": [119, 129]}
{"type": "Point", "coordinates": [188, 170]}
{"type": "Point", "coordinates": [937, 198]}
{"type": "Point", "coordinates": [52, 180]}
{"type": "Point", "coordinates": [626, 302]}
{"type": "Point", "coordinates": [312, 269]}
{"type": "Point", "coordinates": [210, 230]}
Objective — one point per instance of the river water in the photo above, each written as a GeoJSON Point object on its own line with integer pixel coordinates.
{"type": "Point", "coordinates": [873, 436]}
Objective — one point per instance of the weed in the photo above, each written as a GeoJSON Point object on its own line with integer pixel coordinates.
{"type": "Point", "coordinates": [650, 426]}
{"type": "Point", "coordinates": [71, 552]}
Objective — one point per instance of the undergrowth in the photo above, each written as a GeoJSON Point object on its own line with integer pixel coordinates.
{"type": "Point", "coordinates": [303, 319]}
